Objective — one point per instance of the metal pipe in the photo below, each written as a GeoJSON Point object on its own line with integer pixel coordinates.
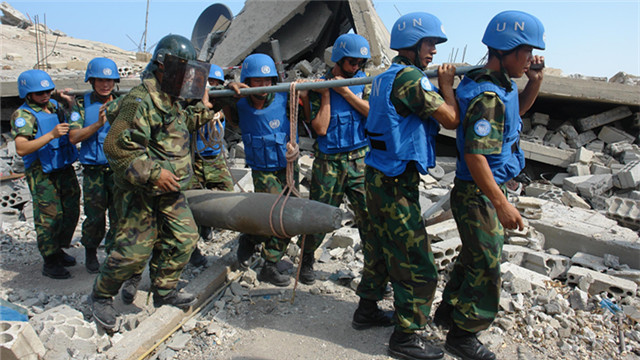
{"type": "Point", "coordinates": [284, 87]}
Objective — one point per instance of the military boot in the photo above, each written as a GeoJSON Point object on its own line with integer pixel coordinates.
{"type": "Point", "coordinates": [66, 259]}
{"type": "Point", "coordinates": [307, 276]}
{"type": "Point", "coordinates": [91, 260]}
{"type": "Point", "coordinates": [411, 346]}
{"type": "Point", "coordinates": [442, 316]}
{"type": "Point", "coordinates": [368, 315]}
{"type": "Point", "coordinates": [129, 289]}
{"type": "Point", "coordinates": [182, 300]}
{"type": "Point", "coordinates": [197, 259]}
{"type": "Point", "coordinates": [270, 274]}
{"type": "Point", "coordinates": [103, 311]}
{"type": "Point", "coordinates": [246, 249]}
{"type": "Point", "coordinates": [466, 345]}
{"type": "Point", "coordinates": [53, 268]}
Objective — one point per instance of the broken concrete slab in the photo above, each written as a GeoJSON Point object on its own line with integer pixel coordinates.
{"type": "Point", "coordinates": [368, 23]}
{"type": "Point", "coordinates": [572, 230]}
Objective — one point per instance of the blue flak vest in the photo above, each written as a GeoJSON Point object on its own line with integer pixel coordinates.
{"type": "Point", "coordinates": [265, 133]}
{"type": "Point", "coordinates": [57, 153]}
{"type": "Point", "coordinates": [92, 149]}
{"type": "Point", "coordinates": [346, 126]}
{"type": "Point", "coordinates": [203, 149]}
{"type": "Point", "coordinates": [394, 140]}
{"type": "Point", "coordinates": [510, 162]}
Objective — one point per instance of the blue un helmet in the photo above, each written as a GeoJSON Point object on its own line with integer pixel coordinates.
{"type": "Point", "coordinates": [411, 28]}
{"type": "Point", "coordinates": [350, 45]}
{"type": "Point", "coordinates": [34, 81]}
{"type": "Point", "coordinates": [102, 68]}
{"type": "Point", "coordinates": [258, 65]}
{"type": "Point", "coordinates": [510, 29]}
{"type": "Point", "coordinates": [215, 72]}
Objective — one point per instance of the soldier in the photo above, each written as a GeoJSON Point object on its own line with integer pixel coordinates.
{"type": "Point", "coordinates": [338, 116]}
{"type": "Point", "coordinates": [148, 150]}
{"type": "Point", "coordinates": [488, 156]}
{"type": "Point", "coordinates": [406, 110]}
{"type": "Point", "coordinates": [90, 128]}
{"type": "Point", "coordinates": [264, 122]}
{"type": "Point", "coordinates": [209, 165]}
{"type": "Point", "coordinates": [39, 128]}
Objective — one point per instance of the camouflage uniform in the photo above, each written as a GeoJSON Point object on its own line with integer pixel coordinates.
{"type": "Point", "coordinates": [56, 195]}
{"type": "Point", "coordinates": [150, 133]}
{"type": "Point", "coordinates": [335, 175]}
{"type": "Point", "coordinates": [272, 182]}
{"type": "Point", "coordinates": [474, 285]}
{"type": "Point", "coordinates": [400, 251]}
{"type": "Point", "coordinates": [97, 194]}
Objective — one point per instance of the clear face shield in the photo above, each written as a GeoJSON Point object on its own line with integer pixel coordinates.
{"type": "Point", "coordinates": [184, 79]}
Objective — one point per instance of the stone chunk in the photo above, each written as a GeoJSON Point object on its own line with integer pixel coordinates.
{"type": "Point", "coordinates": [602, 282]}
{"type": "Point", "coordinates": [521, 279]}
{"type": "Point", "coordinates": [594, 121]}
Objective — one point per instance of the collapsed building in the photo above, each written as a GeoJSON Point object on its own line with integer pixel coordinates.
{"type": "Point", "coordinates": [580, 191]}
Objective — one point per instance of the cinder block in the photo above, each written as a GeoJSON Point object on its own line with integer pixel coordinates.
{"type": "Point", "coordinates": [594, 121]}
{"type": "Point", "coordinates": [602, 282]}
{"type": "Point", "coordinates": [555, 140]}
{"type": "Point", "coordinates": [572, 199]}
{"type": "Point", "coordinates": [568, 131]}
{"type": "Point", "coordinates": [618, 148]}
{"type": "Point", "coordinates": [570, 183]}
{"type": "Point", "coordinates": [595, 145]}
{"type": "Point", "coordinates": [514, 254]}
{"type": "Point", "coordinates": [18, 340]}
{"type": "Point", "coordinates": [578, 169]}
{"type": "Point", "coordinates": [446, 252]}
{"type": "Point", "coordinates": [539, 132]}
{"type": "Point", "coordinates": [611, 135]}
{"type": "Point", "coordinates": [625, 211]}
{"type": "Point", "coordinates": [597, 169]}
{"type": "Point", "coordinates": [558, 179]}
{"type": "Point", "coordinates": [539, 119]}
{"type": "Point", "coordinates": [628, 177]}
{"type": "Point", "coordinates": [536, 189]}
{"type": "Point", "coordinates": [595, 185]}
{"type": "Point", "coordinates": [442, 231]}
{"type": "Point", "coordinates": [582, 139]}
{"type": "Point", "coordinates": [584, 156]}
{"type": "Point", "coordinates": [553, 266]}
{"type": "Point", "coordinates": [589, 261]}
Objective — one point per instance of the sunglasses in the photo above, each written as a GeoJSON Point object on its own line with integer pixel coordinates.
{"type": "Point", "coordinates": [40, 93]}
{"type": "Point", "coordinates": [356, 62]}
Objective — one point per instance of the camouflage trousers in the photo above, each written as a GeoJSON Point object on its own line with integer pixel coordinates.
{"type": "Point", "coordinates": [272, 182]}
{"type": "Point", "coordinates": [400, 251]}
{"type": "Point", "coordinates": [161, 227]}
{"type": "Point", "coordinates": [212, 172]}
{"type": "Point", "coordinates": [334, 176]}
{"type": "Point", "coordinates": [56, 206]}
{"type": "Point", "coordinates": [97, 193]}
{"type": "Point", "coordinates": [474, 285]}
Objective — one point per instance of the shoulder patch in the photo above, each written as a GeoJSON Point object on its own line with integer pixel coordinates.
{"type": "Point", "coordinates": [20, 122]}
{"type": "Point", "coordinates": [482, 127]}
{"type": "Point", "coordinates": [426, 84]}
{"type": "Point", "coordinates": [75, 116]}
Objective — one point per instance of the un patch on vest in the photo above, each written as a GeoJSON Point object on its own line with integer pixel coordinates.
{"type": "Point", "coordinates": [426, 84]}
{"type": "Point", "coordinates": [75, 116]}
{"type": "Point", "coordinates": [20, 122]}
{"type": "Point", "coordinates": [274, 124]}
{"type": "Point", "coordinates": [482, 127]}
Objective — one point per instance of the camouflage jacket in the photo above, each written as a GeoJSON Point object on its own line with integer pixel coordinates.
{"type": "Point", "coordinates": [150, 132]}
